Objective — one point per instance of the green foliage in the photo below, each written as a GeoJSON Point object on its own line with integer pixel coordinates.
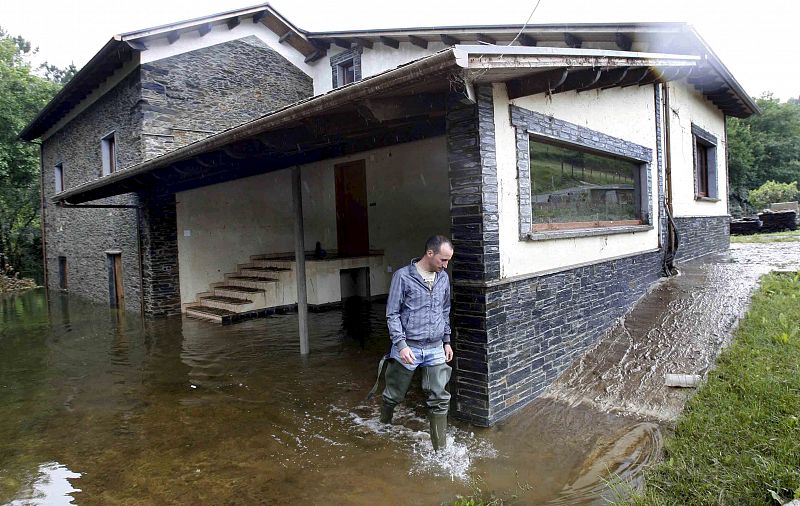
{"type": "Point", "coordinates": [739, 440]}
{"type": "Point", "coordinates": [22, 95]}
{"type": "Point", "coordinates": [765, 147]}
{"type": "Point", "coordinates": [772, 191]}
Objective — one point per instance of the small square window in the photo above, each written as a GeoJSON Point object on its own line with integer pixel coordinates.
{"type": "Point", "coordinates": [346, 67]}
{"type": "Point", "coordinates": [59, 177]}
{"type": "Point", "coordinates": [108, 147]}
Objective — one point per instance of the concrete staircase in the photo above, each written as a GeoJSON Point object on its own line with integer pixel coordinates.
{"type": "Point", "coordinates": [257, 288]}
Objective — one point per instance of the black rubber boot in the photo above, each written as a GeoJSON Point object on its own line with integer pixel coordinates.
{"type": "Point", "coordinates": [434, 382]}
{"type": "Point", "coordinates": [438, 431]}
{"type": "Point", "coordinates": [398, 379]}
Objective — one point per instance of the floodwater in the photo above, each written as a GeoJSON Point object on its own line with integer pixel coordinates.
{"type": "Point", "coordinates": [102, 407]}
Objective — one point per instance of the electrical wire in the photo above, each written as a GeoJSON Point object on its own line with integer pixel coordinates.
{"type": "Point", "coordinates": [526, 22]}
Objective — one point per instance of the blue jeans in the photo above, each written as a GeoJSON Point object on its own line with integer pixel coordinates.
{"type": "Point", "coordinates": [422, 356]}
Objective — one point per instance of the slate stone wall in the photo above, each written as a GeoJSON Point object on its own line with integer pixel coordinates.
{"type": "Point", "coordinates": [701, 235]}
{"type": "Point", "coordinates": [190, 96]}
{"type": "Point", "coordinates": [475, 235]}
{"type": "Point", "coordinates": [84, 235]}
{"type": "Point", "coordinates": [159, 230]}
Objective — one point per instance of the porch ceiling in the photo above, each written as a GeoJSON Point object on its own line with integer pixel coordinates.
{"type": "Point", "coordinates": [400, 105]}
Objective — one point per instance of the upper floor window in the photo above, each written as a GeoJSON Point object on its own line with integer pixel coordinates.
{"type": "Point", "coordinates": [108, 146]}
{"type": "Point", "coordinates": [346, 67]}
{"type": "Point", "coordinates": [705, 164]}
{"type": "Point", "coordinates": [58, 171]}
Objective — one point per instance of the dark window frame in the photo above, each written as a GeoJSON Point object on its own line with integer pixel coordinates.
{"type": "Point", "coordinates": [341, 62]}
{"type": "Point", "coordinates": [108, 150]}
{"type": "Point", "coordinates": [704, 158]}
{"type": "Point", "coordinates": [58, 177]}
{"type": "Point", "coordinates": [529, 123]}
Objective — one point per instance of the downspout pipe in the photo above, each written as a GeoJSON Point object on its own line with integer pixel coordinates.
{"type": "Point", "coordinates": [673, 237]}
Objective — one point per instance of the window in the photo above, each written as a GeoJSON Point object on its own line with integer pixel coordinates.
{"type": "Point", "coordinates": [347, 72]}
{"type": "Point", "coordinates": [108, 147]}
{"type": "Point", "coordinates": [705, 164]}
{"type": "Point", "coordinates": [573, 188]}
{"type": "Point", "coordinates": [62, 272]}
{"type": "Point", "coordinates": [59, 177]}
{"type": "Point", "coordinates": [346, 67]}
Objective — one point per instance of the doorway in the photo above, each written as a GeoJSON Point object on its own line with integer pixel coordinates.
{"type": "Point", "coordinates": [116, 292]}
{"type": "Point", "coordinates": [352, 225]}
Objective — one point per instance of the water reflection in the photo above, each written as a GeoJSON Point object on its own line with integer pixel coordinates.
{"type": "Point", "coordinates": [182, 411]}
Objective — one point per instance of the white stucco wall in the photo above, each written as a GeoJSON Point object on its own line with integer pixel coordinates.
{"type": "Point", "coordinates": [687, 107]}
{"type": "Point", "coordinates": [627, 113]}
{"type": "Point", "coordinates": [407, 192]}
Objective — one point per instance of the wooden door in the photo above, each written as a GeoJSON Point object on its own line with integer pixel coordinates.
{"type": "Point", "coordinates": [352, 226]}
{"type": "Point", "coordinates": [115, 288]}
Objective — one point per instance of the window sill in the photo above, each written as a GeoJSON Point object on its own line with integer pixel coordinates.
{"type": "Point", "coordinates": [706, 199]}
{"type": "Point", "coordinates": [586, 232]}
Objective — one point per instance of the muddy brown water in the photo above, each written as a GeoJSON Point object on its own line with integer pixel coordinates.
{"type": "Point", "coordinates": [102, 407]}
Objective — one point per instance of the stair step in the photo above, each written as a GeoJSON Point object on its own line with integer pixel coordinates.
{"type": "Point", "coordinates": [209, 313]}
{"type": "Point", "coordinates": [268, 269]}
{"type": "Point", "coordinates": [225, 300]}
{"type": "Point", "coordinates": [252, 278]}
{"type": "Point", "coordinates": [242, 289]}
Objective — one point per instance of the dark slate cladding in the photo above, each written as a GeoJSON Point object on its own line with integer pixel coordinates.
{"type": "Point", "coordinates": [529, 123]}
{"type": "Point", "coordinates": [192, 95]}
{"type": "Point", "coordinates": [701, 235]}
{"type": "Point", "coordinates": [533, 329]}
{"type": "Point", "coordinates": [472, 161]}
{"type": "Point", "coordinates": [84, 235]}
{"type": "Point", "coordinates": [159, 233]}
{"type": "Point", "coordinates": [474, 229]}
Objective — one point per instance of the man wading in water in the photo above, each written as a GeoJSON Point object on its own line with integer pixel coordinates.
{"type": "Point", "coordinates": [418, 315]}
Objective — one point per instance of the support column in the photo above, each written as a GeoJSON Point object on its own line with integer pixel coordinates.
{"type": "Point", "coordinates": [300, 260]}
{"type": "Point", "coordinates": [159, 254]}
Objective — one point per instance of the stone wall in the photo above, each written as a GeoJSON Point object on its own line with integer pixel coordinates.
{"type": "Point", "coordinates": [534, 328]}
{"type": "Point", "coordinates": [162, 294]}
{"type": "Point", "coordinates": [192, 95]}
{"type": "Point", "coordinates": [84, 235]}
{"type": "Point", "coordinates": [701, 235]}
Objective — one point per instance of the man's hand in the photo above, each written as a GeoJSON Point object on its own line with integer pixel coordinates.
{"type": "Point", "coordinates": [448, 352]}
{"type": "Point", "coordinates": [407, 356]}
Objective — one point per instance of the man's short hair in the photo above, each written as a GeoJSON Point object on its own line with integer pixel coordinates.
{"type": "Point", "coordinates": [435, 242]}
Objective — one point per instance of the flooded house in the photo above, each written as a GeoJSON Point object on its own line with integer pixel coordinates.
{"type": "Point", "coordinates": [236, 164]}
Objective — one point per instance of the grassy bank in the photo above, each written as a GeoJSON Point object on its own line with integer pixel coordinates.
{"type": "Point", "coordinates": [788, 236]}
{"type": "Point", "coordinates": [739, 440]}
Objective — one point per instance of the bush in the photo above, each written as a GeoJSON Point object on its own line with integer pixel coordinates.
{"type": "Point", "coordinates": [772, 191]}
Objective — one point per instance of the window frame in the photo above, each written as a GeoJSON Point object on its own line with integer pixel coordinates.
{"type": "Point", "coordinates": [341, 62]}
{"type": "Point", "coordinates": [537, 228]}
{"type": "Point", "coordinates": [58, 177]}
{"type": "Point", "coordinates": [545, 128]}
{"type": "Point", "coordinates": [704, 163]}
{"type": "Point", "coordinates": [108, 153]}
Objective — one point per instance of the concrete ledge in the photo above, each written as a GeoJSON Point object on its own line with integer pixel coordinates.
{"type": "Point", "coordinates": [586, 232]}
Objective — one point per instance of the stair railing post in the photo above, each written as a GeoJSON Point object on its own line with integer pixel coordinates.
{"type": "Point", "coordinates": [300, 260]}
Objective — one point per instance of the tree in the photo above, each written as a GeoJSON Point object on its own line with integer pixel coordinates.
{"type": "Point", "coordinates": [765, 147]}
{"type": "Point", "coordinates": [22, 95]}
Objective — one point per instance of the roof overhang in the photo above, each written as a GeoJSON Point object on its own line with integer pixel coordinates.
{"type": "Point", "coordinates": [391, 104]}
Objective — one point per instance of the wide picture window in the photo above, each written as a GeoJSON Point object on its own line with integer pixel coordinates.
{"type": "Point", "coordinates": [575, 189]}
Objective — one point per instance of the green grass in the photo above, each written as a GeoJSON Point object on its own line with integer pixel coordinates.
{"type": "Point", "coordinates": [738, 441]}
{"type": "Point", "coordinates": [788, 236]}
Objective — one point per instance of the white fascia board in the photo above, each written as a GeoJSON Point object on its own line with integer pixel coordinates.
{"type": "Point", "coordinates": [466, 54]}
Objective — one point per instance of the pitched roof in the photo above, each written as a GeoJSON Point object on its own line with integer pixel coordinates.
{"type": "Point", "coordinates": [286, 130]}
{"type": "Point", "coordinates": [714, 80]}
